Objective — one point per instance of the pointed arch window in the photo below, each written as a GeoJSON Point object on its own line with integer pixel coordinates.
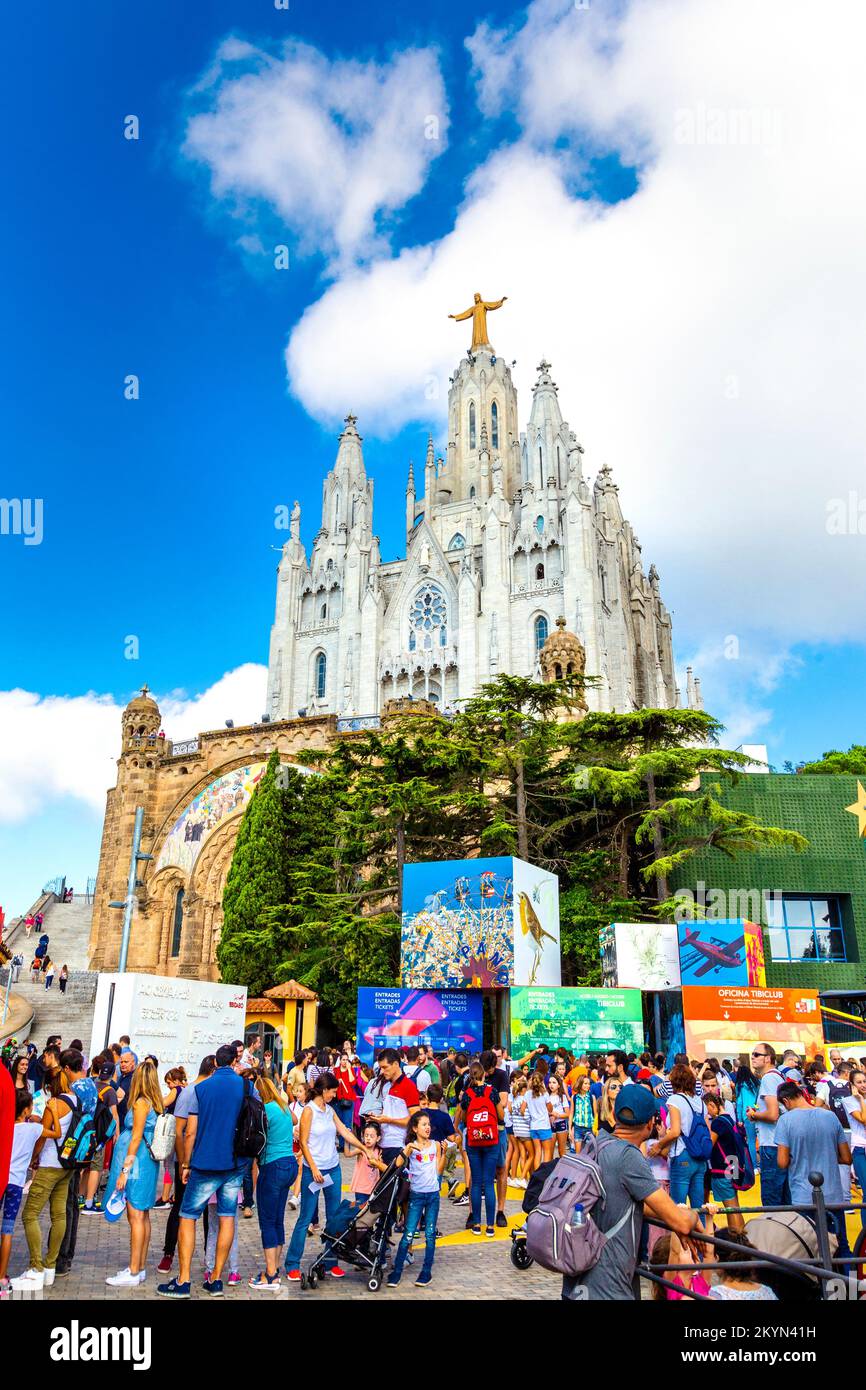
{"type": "Point", "coordinates": [428, 619]}
{"type": "Point", "coordinates": [472, 424]}
{"type": "Point", "coordinates": [540, 467]}
{"type": "Point", "coordinates": [177, 924]}
{"type": "Point", "coordinates": [541, 629]}
{"type": "Point", "coordinates": [457, 541]}
{"type": "Point", "coordinates": [539, 525]}
{"type": "Point", "coordinates": [472, 492]}
{"type": "Point", "coordinates": [494, 425]}
{"type": "Point", "coordinates": [539, 571]}
{"type": "Point", "coordinates": [321, 670]}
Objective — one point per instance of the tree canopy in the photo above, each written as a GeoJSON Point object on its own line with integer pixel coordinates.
{"type": "Point", "coordinates": [611, 803]}
{"type": "Point", "coordinates": [854, 761]}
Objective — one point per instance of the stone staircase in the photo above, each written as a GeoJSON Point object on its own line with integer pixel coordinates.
{"type": "Point", "coordinates": [69, 1014]}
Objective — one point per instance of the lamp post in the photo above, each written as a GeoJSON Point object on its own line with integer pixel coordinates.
{"type": "Point", "coordinates": [133, 882]}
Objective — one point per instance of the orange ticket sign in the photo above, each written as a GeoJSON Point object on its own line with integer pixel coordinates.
{"type": "Point", "coordinates": [723, 1021]}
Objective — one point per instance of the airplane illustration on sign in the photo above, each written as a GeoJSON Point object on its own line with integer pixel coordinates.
{"type": "Point", "coordinates": [715, 955]}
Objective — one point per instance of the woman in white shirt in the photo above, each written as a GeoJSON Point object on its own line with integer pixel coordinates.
{"type": "Point", "coordinates": [320, 1172]}
{"type": "Point", "coordinates": [50, 1187]}
{"type": "Point", "coordinates": [684, 1111]}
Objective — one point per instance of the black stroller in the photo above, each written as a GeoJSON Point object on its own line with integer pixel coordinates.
{"type": "Point", "coordinates": [359, 1235]}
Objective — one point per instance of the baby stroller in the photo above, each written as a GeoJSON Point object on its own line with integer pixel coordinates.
{"type": "Point", "coordinates": [359, 1235]}
{"type": "Point", "coordinates": [519, 1255]}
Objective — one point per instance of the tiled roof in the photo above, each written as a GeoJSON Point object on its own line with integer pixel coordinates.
{"type": "Point", "coordinates": [262, 1006]}
{"type": "Point", "coordinates": [290, 990]}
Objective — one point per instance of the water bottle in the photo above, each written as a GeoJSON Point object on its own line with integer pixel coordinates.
{"type": "Point", "coordinates": [578, 1219]}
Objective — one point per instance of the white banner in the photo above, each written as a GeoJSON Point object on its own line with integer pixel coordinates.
{"type": "Point", "coordinates": [178, 1021]}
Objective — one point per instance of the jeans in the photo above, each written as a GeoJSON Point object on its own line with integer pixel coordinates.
{"type": "Point", "coordinates": [49, 1185]}
{"type": "Point", "coordinates": [774, 1180]}
{"type": "Point", "coordinates": [210, 1244]}
{"type": "Point", "coordinates": [344, 1109]}
{"type": "Point", "coordinates": [275, 1184]}
{"type": "Point", "coordinates": [836, 1222]}
{"type": "Point", "coordinates": [687, 1179]}
{"type": "Point", "coordinates": [247, 1164]}
{"type": "Point", "coordinates": [482, 1166]}
{"type": "Point", "coordinates": [309, 1201]}
{"type": "Point", "coordinates": [858, 1159]}
{"type": "Point", "coordinates": [424, 1207]}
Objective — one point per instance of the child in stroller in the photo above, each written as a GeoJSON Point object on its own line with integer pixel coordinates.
{"type": "Point", "coordinates": [359, 1234]}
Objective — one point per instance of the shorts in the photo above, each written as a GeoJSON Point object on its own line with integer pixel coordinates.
{"type": "Point", "coordinates": [201, 1186]}
{"type": "Point", "coordinates": [541, 1134]}
{"type": "Point", "coordinates": [580, 1132]}
{"type": "Point", "coordinates": [560, 1126]}
{"type": "Point", "coordinates": [722, 1187]}
{"type": "Point", "coordinates": [502, 1152]}
{"type": "Point", "coordinates": [11, 1206]}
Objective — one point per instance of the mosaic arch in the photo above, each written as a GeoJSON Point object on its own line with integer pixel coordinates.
{"type": "Point", "coordinates": [207, 811]}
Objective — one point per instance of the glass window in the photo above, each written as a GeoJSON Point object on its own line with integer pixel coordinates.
{"type": "Point", "coordinates": [457, 542]}
{"type": "Point", "coordinates": [428, 617]}
{"type": "Point", "coordinates": [177, 928]}
{"type": "Point", "coordinates": [472, 492]}
{"type": "Point", "coordinates": [805, 929]}
{"type": "Point", "coordinates": [539, 524]}
{"type": "Point", "coordinates": [494, 425]}
{"type": "Point", "coordinates": [472, 424]}
{"type": "Point", "coordinates": [541, 631]}
{"type": "Point", "coordinates": [321, 675]}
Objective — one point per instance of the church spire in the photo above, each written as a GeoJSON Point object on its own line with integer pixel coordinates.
{"type": "Point", "coordinates": [410, 501]}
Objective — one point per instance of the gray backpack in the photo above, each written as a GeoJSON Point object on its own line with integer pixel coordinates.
{"type": "Point", "coordinates": [552, 1240]}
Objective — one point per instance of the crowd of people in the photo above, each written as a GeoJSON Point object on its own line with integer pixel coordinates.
{"type": "Point", "coordinates": [679, 1142]}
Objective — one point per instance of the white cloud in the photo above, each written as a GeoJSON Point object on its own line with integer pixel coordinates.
{"type": "Point", "coordinates": [705, 333]}
{"type": "Point", "coordinates": [332, 147]}
{"type": "Point", "coordinates": [58, 746]}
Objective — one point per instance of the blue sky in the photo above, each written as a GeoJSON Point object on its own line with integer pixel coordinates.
{"type": "Point", "coordinates": [131, 257]}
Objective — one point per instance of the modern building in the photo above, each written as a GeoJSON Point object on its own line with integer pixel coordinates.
{"type": "Point", "coordinates": [812, 905]}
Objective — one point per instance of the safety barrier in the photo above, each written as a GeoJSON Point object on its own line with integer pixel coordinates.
{"type": "Point", "coordinates": [825, 1268]}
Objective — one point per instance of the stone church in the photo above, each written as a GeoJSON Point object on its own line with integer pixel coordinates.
{"type": "Point", "coordinates": [515, 562]}
{"type": "Point", "coordinates": [507, 535]}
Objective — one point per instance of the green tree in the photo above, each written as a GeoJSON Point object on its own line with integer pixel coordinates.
{"type": "Point", "coordinates": [854, 761]}
{"type": "Point", "coordinates": [257, 880]}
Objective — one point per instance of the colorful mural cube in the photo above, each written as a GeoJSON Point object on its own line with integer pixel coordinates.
{"type": "Point", "coordinates": [721, 952]}
{"type": "Point", "coordinates": [407, 1017]}
{"type": "Point", "coordinates": [479, 924]}
{"type": "Point", "coordinates": [640, 955]}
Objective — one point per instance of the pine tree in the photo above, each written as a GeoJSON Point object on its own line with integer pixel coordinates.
{"type": "Point", "coordinates": [257, 880]}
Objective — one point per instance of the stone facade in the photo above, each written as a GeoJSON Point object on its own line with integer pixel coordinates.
{"type": "Point", "coordinates": [199, 790]}
{"type": "Point", "coordinates": [507, 537]}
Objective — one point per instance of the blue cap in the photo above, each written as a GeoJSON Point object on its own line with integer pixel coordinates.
{"type": "Point", "coordinates": [640, 1102]}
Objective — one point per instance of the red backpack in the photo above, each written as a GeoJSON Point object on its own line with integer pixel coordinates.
{"type": "Point", "coordinates": [482, 1127]}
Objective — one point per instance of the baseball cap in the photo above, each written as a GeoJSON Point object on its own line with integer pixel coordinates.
{"type": "Point", "coordinates": [635, 1105]}
{"type": "Point", "coordinates": [644, 1074]}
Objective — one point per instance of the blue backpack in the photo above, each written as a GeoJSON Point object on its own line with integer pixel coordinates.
{"type": "Point", "coordinates": [698, 1141]}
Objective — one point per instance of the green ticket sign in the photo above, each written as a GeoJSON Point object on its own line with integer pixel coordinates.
{"type": "Point", "coordinates": [583, 1020]}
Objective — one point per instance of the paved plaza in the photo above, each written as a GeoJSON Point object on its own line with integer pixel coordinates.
{"type": "Point", "coordinates": [466, 1266]}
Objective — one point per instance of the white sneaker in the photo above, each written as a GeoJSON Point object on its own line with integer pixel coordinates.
{"type": "Point", "coordinates": [294, 1202]}
{"type": "Point", "coordinates": [29, 1281]}
{"type": "Point", "coordinates": [124, 1280]}
{"type": "Point", "coordinates": [48, 1277]}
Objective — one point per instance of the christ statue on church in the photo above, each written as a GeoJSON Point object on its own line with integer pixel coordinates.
{"type": "Point", "coordinates": [477, 312]}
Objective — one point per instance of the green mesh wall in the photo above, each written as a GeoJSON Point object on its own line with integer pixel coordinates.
{"type": "Point", "coordinates": [835, 862]}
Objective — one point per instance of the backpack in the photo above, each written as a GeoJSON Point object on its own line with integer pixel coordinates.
{"type": "Point", "coordinates": [162, 1140]}
{"type": "Point", "coordinates": [835, 1092]}
{"type": "Point", "coordinates": [746, 1177]}
{"type": "Point", "coordinates": [78, 1146]}
{"type": "Point", "coordinates": [103, 1120]}
{"type": "Point", "coordinates": [698, 1142]}
{"type": "Point", "coordinates": [551, 1240]}
{"type": "Point", "coordinates": [451, 1092]}
{"type": "Point", "coordinates": [251, 1131]}
{"type": "Point", "coordinates": [482, 1125]}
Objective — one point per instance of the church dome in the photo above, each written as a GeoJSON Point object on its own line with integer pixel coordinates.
{"type": "Point", "coordinates": [143, 703]}
{"type": "Point", "coordinates": [562, 655]}
{"type": "Point", "coordinates": [141, 718]}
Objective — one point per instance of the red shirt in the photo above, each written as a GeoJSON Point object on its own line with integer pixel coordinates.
{"type": "Point", "coordinates": [7, 1124]}
{"type": "Point", "coordinates": [346, 1089]}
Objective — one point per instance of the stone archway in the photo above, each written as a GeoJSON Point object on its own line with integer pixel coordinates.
{"type": "Point", "coordinates": [208, 882]}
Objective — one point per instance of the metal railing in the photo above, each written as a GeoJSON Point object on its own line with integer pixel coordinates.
{"type": "Point", "coordinates": [823, 1269]}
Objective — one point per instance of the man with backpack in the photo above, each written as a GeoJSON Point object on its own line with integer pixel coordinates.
{"type": "Point", "coordinates": [210, 1166]}
{"type": "Point", "coordinates": [497, 1077]}
{"type": "Point", "coordinates": [616, 1188]}
{"type": "Point", "coordinates": [765, 1114]}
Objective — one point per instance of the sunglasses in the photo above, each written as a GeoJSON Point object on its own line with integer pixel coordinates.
{"type": "Point", "coordinates": [759, 1054]}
